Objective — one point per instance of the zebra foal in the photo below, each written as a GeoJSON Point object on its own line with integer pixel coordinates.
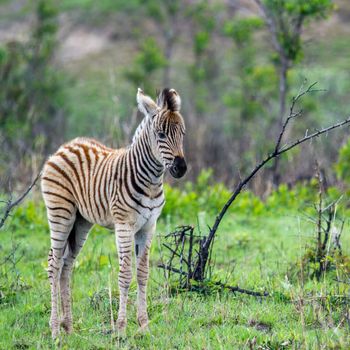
{"type": "Point", "coordinates": [86, 183]}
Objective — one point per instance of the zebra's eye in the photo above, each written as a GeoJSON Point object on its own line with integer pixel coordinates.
{"type": "Point", "coordinates": [162, 135]}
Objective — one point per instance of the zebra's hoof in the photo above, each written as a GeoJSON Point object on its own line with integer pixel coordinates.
{"type": "Point", "coordinates": [55, 328]}
{"type": "Point", "coordinates": [121, 333]}
{"type": "Point", "coordinates": [121, 327]}
{"type": "Point", "coordinates": [67, 325]}
{"type": "Point", "coordinates": [55, 332]}
{"type": "Point", "coordinates": [143, 322]}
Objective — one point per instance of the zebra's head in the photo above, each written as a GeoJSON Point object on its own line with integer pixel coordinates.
{"type": "Point", "coordinates": [167, 129]}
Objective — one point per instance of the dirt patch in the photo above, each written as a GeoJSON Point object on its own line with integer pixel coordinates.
{"type": "Point", "coordinates": [81, 43]}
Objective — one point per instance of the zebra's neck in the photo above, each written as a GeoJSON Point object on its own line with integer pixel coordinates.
{"type": "Point", "coordinates": [146, 164]}
{"type": "Point", "coordinates": [140, 128]}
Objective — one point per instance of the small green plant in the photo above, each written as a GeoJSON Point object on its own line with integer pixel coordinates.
{"type": "Point", "coordinates": [11, 281]}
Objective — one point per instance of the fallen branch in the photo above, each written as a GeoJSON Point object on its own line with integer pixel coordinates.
{"type": "Point", "coordinates": [233, 289]}
{"type": "Point", "coordinates": [172, 269]}
{"type": "Point", "coordinates": [11, 204]}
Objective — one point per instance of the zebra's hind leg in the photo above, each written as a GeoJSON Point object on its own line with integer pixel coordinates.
{"type": "Point", "coordinates": [61, 221]}
{"type": "Point", "coordinates": [54, 269]}
{"type": "Point", "coordinates": [76, 240]}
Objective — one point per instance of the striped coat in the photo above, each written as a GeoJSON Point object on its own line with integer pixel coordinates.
{"type": "Point", "coordinates": [86, 183]}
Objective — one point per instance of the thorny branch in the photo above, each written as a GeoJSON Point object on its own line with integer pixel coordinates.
{"type": "Point", "coordinates": [11, 204]}
{"type": "Point", "coordinates": [292, 114]}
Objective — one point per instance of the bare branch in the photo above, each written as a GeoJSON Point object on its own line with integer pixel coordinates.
{"type": "Point", "coordinates": [173, 269]}
{"type": "Point", "coordinates": [176, 253]}
{"type": "Point", "coordinates": [222, 285]}
{"type": "Point", "coordinates": [292, 114]}
{"type": "Point", "coordinates": [282, 150]}
{"type": "Point", "coordinates": [311, 136]}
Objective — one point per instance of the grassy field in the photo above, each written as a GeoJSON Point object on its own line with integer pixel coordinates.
{"type": "Point", "coordinates": [261, 250]}
{"type": "Point", "coordinates": [259, 253]}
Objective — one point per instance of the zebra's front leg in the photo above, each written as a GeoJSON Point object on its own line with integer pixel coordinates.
{"type": "Point", "coordinates": [143, 240]}
{"type": "Point", "coordinates": [124, 238]}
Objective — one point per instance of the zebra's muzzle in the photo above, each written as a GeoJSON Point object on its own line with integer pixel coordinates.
{"type": "Point", "coordinates": [178, 168]}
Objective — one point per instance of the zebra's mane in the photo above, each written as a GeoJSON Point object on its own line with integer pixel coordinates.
{"type": "Point", "coordinates": [169, 99]}
{"type": "Point", "coordinates": [139, 129]}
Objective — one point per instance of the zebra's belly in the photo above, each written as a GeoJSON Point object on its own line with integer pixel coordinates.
{"type": "Point", "coordinates": [95, 217]}
{"type": "Point", "coordinates": [137, 218]}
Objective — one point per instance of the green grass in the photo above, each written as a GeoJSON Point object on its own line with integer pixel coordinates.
{"type": "Point", "coordinates": [253, 252]}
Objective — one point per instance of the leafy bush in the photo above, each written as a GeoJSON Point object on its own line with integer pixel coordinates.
{"type": "Point", "coordinates": [30, 216]}
{"type": "Point", "coordinates": [288, 13]}
{"type": "Point", "coordinates": [195, 197]}
{"type": "Point", "coordinates": [205, 195]}
{"type": "Point", "coordinates": [298, 197]}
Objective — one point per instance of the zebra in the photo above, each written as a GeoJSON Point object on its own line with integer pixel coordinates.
{"type": "Point", "coordinates": [86, 183]}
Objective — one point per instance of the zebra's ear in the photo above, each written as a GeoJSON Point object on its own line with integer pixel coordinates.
{"type": "Point", "coordinates": [169, 99]}
{"type": "Point", "coordinates": [145, 104]}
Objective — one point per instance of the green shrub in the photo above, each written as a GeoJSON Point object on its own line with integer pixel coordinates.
{"type": "Point", "coordinates": [205, 195]}
{"type": "Point", "coordinates": [31, 215]}
{"type": "Point", "coordinates": [296, 198]}
{"type": "Point", "coordinates": [195, 197]}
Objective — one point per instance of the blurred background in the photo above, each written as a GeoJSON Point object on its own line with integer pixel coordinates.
{"type": "Point", "coordinates": [71, 68]}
